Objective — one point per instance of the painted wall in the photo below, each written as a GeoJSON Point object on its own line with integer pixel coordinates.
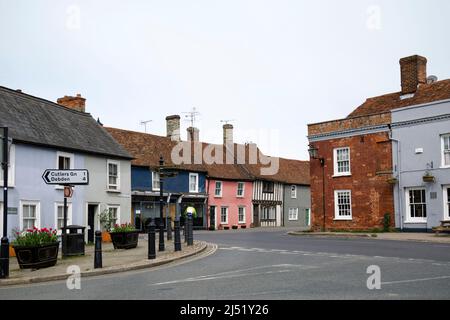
{"type": "Point", "coordinates": [268, 199]}
{"type": "Point", "coordinates": [141, 178]}
{"type": "Point", "coordinates": [30, 162]}
{"type": "Point", "coordinates": [302, 202]}
{"type": "Point", "coordinates": [230, 199]}
{"type": "Point", "coordinates": [180, 183]}
{"type": "Point", "coordinates": [97, 193]}
{"type": "Point", "coordinates": [410, 164]}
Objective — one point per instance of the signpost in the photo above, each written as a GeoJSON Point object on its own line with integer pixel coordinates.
{"type": "Point", "coordinates": [66, 178]}
{"type": "Point", "coordinates": [4, 247]}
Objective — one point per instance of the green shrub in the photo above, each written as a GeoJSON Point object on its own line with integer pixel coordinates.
{"type": "Point", "coordinates": [387, 222]}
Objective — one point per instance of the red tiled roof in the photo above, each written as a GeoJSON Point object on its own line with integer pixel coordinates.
{"type": "Point", "coordinates": [425, 93]}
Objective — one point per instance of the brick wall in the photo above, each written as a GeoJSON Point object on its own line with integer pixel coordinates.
{"type": "Point", "coordinates": [372, 195]}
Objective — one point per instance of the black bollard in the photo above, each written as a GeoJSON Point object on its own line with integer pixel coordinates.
{"type": "Point", "coordinates": [186, 229]}
{"type": "Point", "coordinates": [4, 260]}
{"type": "Point", "coordinates": [177, 242]}
{"type": "Point", "coordinates": [151, 241]}
{"type": "Point", "coordinates": [98, 250]}
{"type": "Point", "coordinates": [190, 238]}
{"type": "Point", "coordinates": [169, 228]}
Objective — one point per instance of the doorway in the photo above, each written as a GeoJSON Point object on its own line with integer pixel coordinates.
{"type": "Point", "coordinates": [256, 215]}
{"type": "Point", "coordinates": [92, 211]}
{"type": "Point", "coordinates": [212, 217]}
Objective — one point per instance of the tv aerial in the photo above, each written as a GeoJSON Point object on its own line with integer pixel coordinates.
{"type": "Point", "coordinates": [144, 123]}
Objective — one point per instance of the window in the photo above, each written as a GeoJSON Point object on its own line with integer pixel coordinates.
{"type": "Point", "coordinates": [447, 202]}
{"type": "Point", "coordinates": [416, 205]}
{"type": "Point", "coordinates": [267, 187]}
{"type": "Point", "coordinates": [343, 205]}
{"type": "Point", "coordinates": [241, 214]}
{"type": "Point", "coordinates": [59, 208]}
{"type": "Point", "coordinates": [64, 160]}
{"type": "Point", "coordinates": [156, 182]}
{"type": "Point", "coordinates": [29, 215]}
{"type": "Point", "coordinates": [218, 190]}
{"type": "Point", "coordinates": [268, 213]}
{"type": "Point", "coordinates": [341, 161]}
{"type": "Point", "coordinates": [308, 217]}
{"type": "Point", "coordinates": [11, 167]}
{"type": "Point", "coordinates": [240, 189]}
{"type": "Point", "coordinates": [193, 182]}
{"type": "Point", "coordinates": [224, 215]}
{"type": "Point", "coordinates": [114, 214]}
{"type": "Point", "coordinates": [113, 175]}
{"type": "Point", "coordinates": [293, 214]}
{"type": "Point", "coordinates": [446, 150]}
{"type": "Point", "coordinates": [294, 192]}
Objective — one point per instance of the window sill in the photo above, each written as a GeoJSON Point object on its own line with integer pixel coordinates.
{"type": "Point", "coordinates": [240, 197]}
{"type": "Point", "coordinates": [218, 197]}
{"type": "Point", "coordinates": [342, 219]}
{"type": "Point", "coordinates": [415, 221]}
{"type": "Point", "coordinates": [341, 175]}
{"type": "Point", "coordinates": [444, 167]}
{"type": "Point", "coordinates": [112, 191]}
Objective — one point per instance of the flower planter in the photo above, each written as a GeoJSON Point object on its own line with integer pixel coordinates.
{"type": "Point", "coordinates": [243, 227]}
{"type": "Point", "coordinates": [36, 257]}
{"type": "Point", "coordinates": [428, 178]}
{"type": "Point", "coordinates": [125, 240]}
{"type": "Point", "coordinates": [234, 227]}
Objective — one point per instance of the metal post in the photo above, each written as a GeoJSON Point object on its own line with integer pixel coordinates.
{"type": "Point", "coordinates": [177, 242]}
{"type": "Point", "coordinates": [4, 250]}
{"type": "Point", "coordinates": [98, 250]}
{"type": "Point", "coordinates": [151, 241]}
{"type": "Point", "coordinates": [169, 229]}
{"type": "Point", "coordinates": [64, 233]}
{"type": "Point", "coordinates": [186, 229]}
{"type": "Point", "coordinates": [161, 209]}
{"type": "Point", "coordinates": [190, 237]}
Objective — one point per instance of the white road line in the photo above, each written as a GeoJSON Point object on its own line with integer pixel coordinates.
{"type": "Point", "coordinates": [416, 280]}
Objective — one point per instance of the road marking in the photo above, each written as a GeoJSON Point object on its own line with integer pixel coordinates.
{"type": "Point", "coordinates": [416, 280]}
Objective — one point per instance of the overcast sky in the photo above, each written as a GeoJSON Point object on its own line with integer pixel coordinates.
{"type": "Point", "coordinates": [271, 66]}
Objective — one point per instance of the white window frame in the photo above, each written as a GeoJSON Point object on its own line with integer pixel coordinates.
{"type": "Point", "coordinates": [337, 216]}
{"type": "Point", "coordinates": [227, 211]}
{"type": "Point", "coordinates": [69, 214]}
{"type": "Point", "coordinates": [443, 137]}
{"type": "Point", "coordinates": [243, 190]}
{"type": "Point", "coordinates": [215, 189]}
{"type": "Point", "coordinates": [308, 212]}
{"type": "Point", "coordinates": [109, 206]}
{"type": "Point", "coordinates": [38, 212]}
{"type": "Point", "coordinates": [335, 163]}
{"type": "Point", "coordinates": [154, 173]}
{"type": "Point", "coordinates": [446, 202]}
{"type": "Point", "coordinates": [71, 156]}
{"type": "Point", "coordinates": [408, 218]}
{"type": "Point", "coordinates": [293, 214]}
{"type": "Point", "coordinates": [293, 191]}
{"type": "Point", "coordinates": [197, 182]}
{"type": "Point", "coordinates": [108, 185]}
{"type": "Point", "coordinates": [244, 209]}
{"type": "Point", "coordinates": [11, 169]}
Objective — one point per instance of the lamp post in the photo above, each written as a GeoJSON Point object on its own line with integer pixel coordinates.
{"type": "Point", "coordinates": [313, 153]}
{"type": "Point", "coordinates": [161, 203]}
{"type": "Point", "coordinates": [4, 249]}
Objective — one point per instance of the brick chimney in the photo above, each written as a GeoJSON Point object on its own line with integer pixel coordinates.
{"type": "Point", "coordinates": [173, 127]}
{"type": "Point", "coordinates": [413, 73]}
{"type": "Point", "coordinates": [193, 134]}
{"type": "Point", "coordinates": [227, 134]}
{"type": "Point", "coordinates": [77, 103]}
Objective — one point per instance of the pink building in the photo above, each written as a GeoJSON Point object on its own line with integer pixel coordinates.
{"type": "Point", "coordinates": [230, 201]}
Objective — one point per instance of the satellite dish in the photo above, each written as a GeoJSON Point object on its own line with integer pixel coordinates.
{"type": "Point", "coordinates": [431, 79]}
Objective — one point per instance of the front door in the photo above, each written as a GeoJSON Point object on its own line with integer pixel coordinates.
{"type": "Point", "coordinates": [92, 210]}
{"type": "Point", "coordinates": [212, 216]}
{"type": "Point", "coordinates": [255, 216]}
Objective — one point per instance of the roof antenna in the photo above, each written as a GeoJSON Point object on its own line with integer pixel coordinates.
{"type": "Point", "coordinates": [228, 120]}
{"type": "Point", "coordinates": [192, 116]}
{"type": "Point", "coordinates": [144, 123]}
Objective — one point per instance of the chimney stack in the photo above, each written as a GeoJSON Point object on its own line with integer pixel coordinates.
{"type": "Point", "coordinates": [413, 73]}
{"type": "Point", "coordinates": [173, 127]}
{"type": "Point", "coordinates": [193, 134]}
{"type": "Point", "coordinates": [77, 103]}
{"type": "Point", "coordinates": [227, 134]}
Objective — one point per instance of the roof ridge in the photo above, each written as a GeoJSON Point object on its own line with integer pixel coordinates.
{"type": "Point", "coordinates": [24, 95]}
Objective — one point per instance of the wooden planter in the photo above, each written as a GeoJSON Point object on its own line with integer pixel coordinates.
{"type": "Point", "coordinates": [428, 178]}
{"type": "Point", "coordinates": [125, 240]}
{"type": "Point", "coordinates": [36, 257]}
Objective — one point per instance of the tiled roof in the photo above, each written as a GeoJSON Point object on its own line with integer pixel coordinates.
{"type": "Point", "coordinates": [147, 148]}
{"type": "Point", "coordinates": [38, 121]}
{"type": "Point", "coordinates": [425, 93]}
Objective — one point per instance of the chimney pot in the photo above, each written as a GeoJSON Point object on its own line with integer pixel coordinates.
{"type": "Point", "coordinates": [413, 72]}
{"type": "Point", "coordinates": [77, 103]}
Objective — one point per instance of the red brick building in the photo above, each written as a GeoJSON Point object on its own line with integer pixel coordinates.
{"type": "Point", "coordinates": [351, 158]}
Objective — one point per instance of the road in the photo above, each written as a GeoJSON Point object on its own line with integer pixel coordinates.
{"type": "Point", "coordinates": [269, 264]}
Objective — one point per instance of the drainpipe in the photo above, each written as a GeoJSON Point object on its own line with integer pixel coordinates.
{"type": "Point", "coordinates": [207, 204]}
{"type": "Point", "coordinates": [399, 176]}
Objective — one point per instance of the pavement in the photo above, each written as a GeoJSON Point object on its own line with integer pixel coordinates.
{"type": "Point", "coordinates": [270, 264]}
{"type": "Point", "coordinates": [113, 260]}
{"type": "Point", "coordinates": [399, 236]}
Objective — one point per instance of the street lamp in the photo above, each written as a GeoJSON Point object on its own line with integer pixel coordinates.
{"type": "Point", "coordinates": [313, 153]}
{"type": "Point", "coordinates": [4, 249]}
{"type": "Point", "coordinates": [161, 203]}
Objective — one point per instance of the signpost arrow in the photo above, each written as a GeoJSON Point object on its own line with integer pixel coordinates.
{"type": "Point", "coordinates": [66, 177]}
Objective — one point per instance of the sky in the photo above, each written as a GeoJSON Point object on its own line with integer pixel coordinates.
{"type": "Point", "coordinates": [271, 67]}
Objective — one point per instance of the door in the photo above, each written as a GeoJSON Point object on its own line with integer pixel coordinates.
{"type": "Point", "coordinates": [255, 216]}
{"type": "Point", "coordinates": [92, 210]}
{"type": "Point", "coordinates": [212, 216]}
